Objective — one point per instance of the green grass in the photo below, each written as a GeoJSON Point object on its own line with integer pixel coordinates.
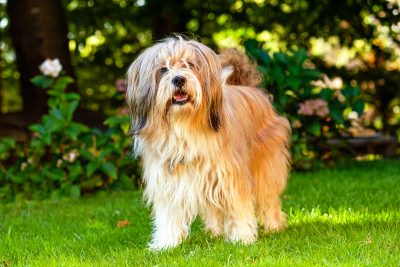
{"type": "Point", "coordinates": [349, 215]}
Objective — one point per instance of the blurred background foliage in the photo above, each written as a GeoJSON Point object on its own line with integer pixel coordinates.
{"type": "Point", "coordinates": [323, 61]}
{"type": "Point", "coordinates": [356, 40]}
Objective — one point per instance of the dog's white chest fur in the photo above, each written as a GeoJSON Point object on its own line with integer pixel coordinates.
{"type": "Point", "coordinates": [183, 165]}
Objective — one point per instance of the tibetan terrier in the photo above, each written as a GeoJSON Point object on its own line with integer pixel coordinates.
{"type": "Point", "coordinates": [210, 142]}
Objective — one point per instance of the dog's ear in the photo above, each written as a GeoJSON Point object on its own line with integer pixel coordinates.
{"type": "Point", "coordinates": [212, 84]}
{"type": "Point", "coordinates": [140, 91]}
{"type": "Point", "coordinates": [215, 91]}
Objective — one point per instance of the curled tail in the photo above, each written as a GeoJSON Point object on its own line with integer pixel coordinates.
{"type": "Point", "coordinates": [237, 69]}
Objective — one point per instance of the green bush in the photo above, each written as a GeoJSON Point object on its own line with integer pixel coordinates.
{"type": "Point", "coordinates": [316, 113]}
{"type": "Point", "coordinates": [66, 158]}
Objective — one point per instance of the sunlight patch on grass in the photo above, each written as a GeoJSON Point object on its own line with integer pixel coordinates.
{"type": "Point", "coordinates": [341, 216]}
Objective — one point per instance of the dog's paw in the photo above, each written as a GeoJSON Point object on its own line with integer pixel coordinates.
{"type": "Point", "coordinates": [160, 247]}
{"type": "Point", "coordinates": [244, 238]}
{"type": "Point", "coordinates": [272, 225]}
{"type": "Point", "coordinates": [214, 228]}
{"type": "Point", "coordinates": [243, 232]}
{"type": "Point", "coordinates": [164, 243]}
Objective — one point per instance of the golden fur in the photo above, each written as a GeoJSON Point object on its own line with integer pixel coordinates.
{"type": "Point", "coordinates": [223, 155]}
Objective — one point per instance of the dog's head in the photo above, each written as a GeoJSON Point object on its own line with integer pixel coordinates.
{"type": "Point", "coordinates": [175, 78]}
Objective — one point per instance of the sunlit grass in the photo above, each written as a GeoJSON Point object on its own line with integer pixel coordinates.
{"type": "Point", "coordinates": [349, 215]}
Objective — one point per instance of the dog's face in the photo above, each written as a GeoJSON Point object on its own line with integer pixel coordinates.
{"type": "Point", "coordinates": [175, 79]}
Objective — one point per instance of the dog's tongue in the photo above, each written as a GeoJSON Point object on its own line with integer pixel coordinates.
{"type": "Point", "coordinates": [180, 96]}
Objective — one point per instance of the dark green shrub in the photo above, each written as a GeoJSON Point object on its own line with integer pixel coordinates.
{"type": "Point", "coordinates": [64, 157]}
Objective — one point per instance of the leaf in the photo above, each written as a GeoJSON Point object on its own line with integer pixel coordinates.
{"type": "Point", "coordinates": [123, 223]}
{"type": "Point", "coordinates": [54, 174]}
{"type": "Point", "coordinates": [314, 128]}
{"type": "Point", "coordinates": [300, 57]}
{"type": "Point", "coordinates": [17, 177]}
{"type": "Point", "coordinates": [62, 83]}
{"type": "Point", "coordinates": [294, 83]}
{"type": "Point", "coordinates": [86, 154]}
{"type": "Point", "coordinates": [7, 144]}
{"type": "Point", "coordinates": [114, 121]}
{"type": "Point", "coordinates": [36, 177]}
{"type": "Point", "coordinates": [359, 106]}
{"type": "Point", "coordinates": [262, 56]}
{"type": "Point", "coordinates": [351, 92]}
{"type": "Point", "coordinates": [72, 96]}
{"type": "Point", "coordinates": [42, 81]}
{"type": "Point", "coordinates": [336, 111]}
{"type": "Point", "coordinates": [74, 129]}
{"type": "Point", "coordinates": [68, 109]}
{"type": "Point", "coordinates": [91, 183]}
{"type": "Point", "coordinates": [91, 168]}
{"type": "Point", "coordinates": [74, 171]}
{"type": "Point", "coordinates": [326, 94]}
{"type": "Point", "coordinates": [109, 169]}
{"type": "Point", "coordinates": [251, 45]}
{"type": "Point", "coordinates": [278, 75]}
{"type": "Point", "coordinates": [57, 114]}
{"type": "Point", "coordinates": [281, 58]}
{"type": "Point", "coordinates": [309, 74]}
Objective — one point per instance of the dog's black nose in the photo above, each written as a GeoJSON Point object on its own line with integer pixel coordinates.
{"type": "Point", "coordinates": [178, 81]}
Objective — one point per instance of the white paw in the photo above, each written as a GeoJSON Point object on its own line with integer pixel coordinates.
{"type": "Point", "coordinates": [241, 232]}
{"type": "Point", "coordinates": [276, 224]}
{"type": "Point", "coordinates": [164, 242]}
{"type": "Point", "coordinates": [214, 227]}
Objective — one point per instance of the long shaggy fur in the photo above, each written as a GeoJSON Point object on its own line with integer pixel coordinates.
{"type": "Point", "coordinates": [243, 71]}
{"type": "Point", "coordinates": [222, 155]}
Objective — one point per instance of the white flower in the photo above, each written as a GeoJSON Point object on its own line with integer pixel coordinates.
{"type": "Point", "coordinates": [51, 67]}
{"type": "Point", "coordinates": [353, 115]}
{"type": "Point", "coordinates": [24, 165]}
{"type": "Point", "coordinates": [336, 83]}
{"type": "Point", "coordinates": [71, 156]}
{"type": "Point", "coordinates": [59, 163]}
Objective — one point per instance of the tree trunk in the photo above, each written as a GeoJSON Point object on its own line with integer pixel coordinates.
{"type": "Point", "coordinates": [167, 17]}
{"type": "Point", "coordinates": [38, 31]}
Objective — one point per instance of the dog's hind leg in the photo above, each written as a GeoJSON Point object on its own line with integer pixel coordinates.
{"type": "Point", "coordinates": [270, 181]}
{"type": "Point", "coordinates": [270, 167]}
{"type": "Point", "coordinates": [240, 224]}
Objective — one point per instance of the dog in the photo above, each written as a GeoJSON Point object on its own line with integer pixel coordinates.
{"type": "Point", "coordinates": [210, 141]}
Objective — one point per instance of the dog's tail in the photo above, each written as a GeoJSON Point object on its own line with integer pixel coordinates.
{"type": "Point", "coordinates": [237, 69]}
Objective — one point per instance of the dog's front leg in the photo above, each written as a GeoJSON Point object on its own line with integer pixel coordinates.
{"type": "Point", "coordinates": [171, 224]}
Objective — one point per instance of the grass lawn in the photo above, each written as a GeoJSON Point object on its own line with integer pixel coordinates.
{"type": "Point", "coordinates": [349, 215]}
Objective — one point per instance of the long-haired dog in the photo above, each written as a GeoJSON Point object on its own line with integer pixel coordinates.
{"type": "Point", "coordinates": [210, 141]}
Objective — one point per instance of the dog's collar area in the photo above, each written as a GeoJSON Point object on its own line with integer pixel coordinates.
{"type": "Point", "coordinates": [180, 97]}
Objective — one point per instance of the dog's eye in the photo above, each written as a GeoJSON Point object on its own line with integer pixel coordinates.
{"type": "Point", "coordinates": [163, 70]}
{"type": "Point", "coordinates": [191, 65]}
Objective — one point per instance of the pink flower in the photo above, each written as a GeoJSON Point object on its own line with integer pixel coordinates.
{"type": "Point", "coordinates": [123, 111]}
{"type": "Point", "coordinates": [305, 109]}
{"type": "Point", "coordinates": [311, 107]}
{"type": "Point", "coordinates": [121, 85]}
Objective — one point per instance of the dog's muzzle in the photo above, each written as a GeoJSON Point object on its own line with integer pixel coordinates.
{"type": "Point", "coordinates": [180, 96]}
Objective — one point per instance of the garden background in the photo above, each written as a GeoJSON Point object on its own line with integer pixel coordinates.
{"type": "Point", "coordinates": [331, 67]}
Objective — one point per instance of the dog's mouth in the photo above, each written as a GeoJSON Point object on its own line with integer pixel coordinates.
{"type": "Point", "coordinates": [180, 97]}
